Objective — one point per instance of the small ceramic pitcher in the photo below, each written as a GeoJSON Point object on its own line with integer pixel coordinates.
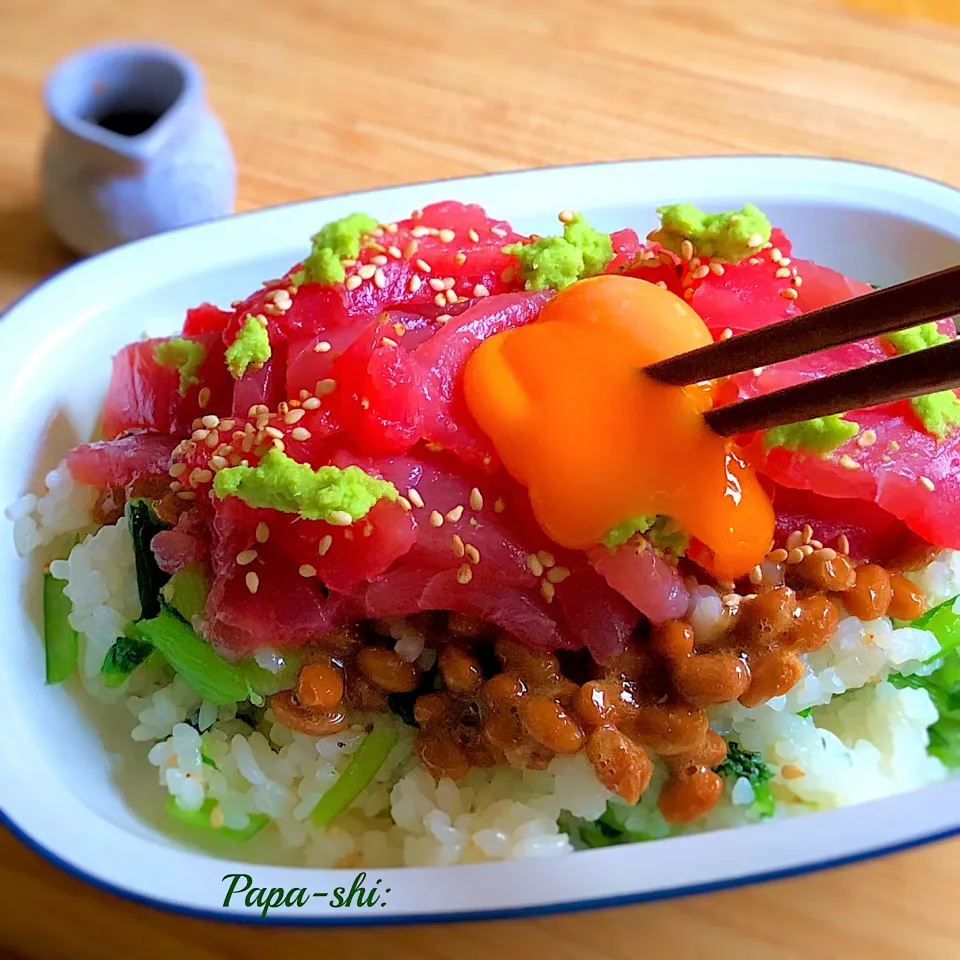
{"type": "Point", "coordinates": [133, 148]}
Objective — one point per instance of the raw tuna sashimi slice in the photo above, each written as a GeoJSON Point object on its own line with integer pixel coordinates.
{"type": "Point", "coordinates": [121, 461]}
{"type": "Point", "coordinates": [651, 584]}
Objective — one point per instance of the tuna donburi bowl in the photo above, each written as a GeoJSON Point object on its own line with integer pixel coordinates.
{"type": "Point", "coordinates": [397, 561]}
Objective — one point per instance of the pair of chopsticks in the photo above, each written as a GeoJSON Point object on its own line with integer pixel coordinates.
{"type": "Point", "coordinates": [926, 298]}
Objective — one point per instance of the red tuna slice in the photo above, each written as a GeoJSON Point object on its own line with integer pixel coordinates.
{"type": "Point", "coordinates": [447, 420]}
{"type": "Point", "coordinates": [284, 610]}
{"type": "Point", "coordinates": [121, 461]}
{"type": "Point", "coordinates": [145, 395]}
{"type": "Point", "coordinates": [872, 533]}
{"type": "Point", "coordinates": [378, 396]}
{"type": "Point", "coordinates": [346, 556]}
{"type": "Point", "coordinates": [206, 318]}
{"type": "Point", "coordinates": [746, 295]}
{"type": "Point", "coordinates": [651, 584]}
{"type": "Point", "coordinates": [187, 543]}
{"type": "Point", "coordinates": [626, 247]}
{"type": "Point", "coordinates": [822, 286]}
{"type": "Point", "coordinates": [265, 385]}
{"type": "Point", "coordinates": [655, 265]}
{"type": "Point", "coordinates": [594, 615]}
{"type": "Point", "coordinates": [522, 613]}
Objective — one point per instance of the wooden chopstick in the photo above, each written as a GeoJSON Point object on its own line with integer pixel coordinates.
{"type": "Point", "coordinates": [914, 374]}
{"type": "Point", "coordinates": [931, 297]}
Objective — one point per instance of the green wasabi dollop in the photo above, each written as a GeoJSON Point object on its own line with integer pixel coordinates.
{"type": "Point", "coordinates": [662, 532]}
{"type": "Point", "coordinates": [730, 236]}
{"type": "Point", "coordinates": [185, 356]}
{"type": "Point", "coordinates": [552, 263]}
{"type": "Point", "coordinates": [250, 349]}
{"type": "Point", "coordinates": [333, 243]}
{"type": "Point", "coordinates": [819, 435]}
{"type": "Point", "coordinates": [915, 338]}
{"type": "Point", "coordinates": [280, 483]}
{"type": "Point", "coordinates": [940, 411]}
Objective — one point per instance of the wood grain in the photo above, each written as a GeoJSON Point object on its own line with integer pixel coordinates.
{"type": "Point", "coordinates": [323, 97]}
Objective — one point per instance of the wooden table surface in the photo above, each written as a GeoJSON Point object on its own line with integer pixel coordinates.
{"type": "Point", "coordinates": [323, 98]}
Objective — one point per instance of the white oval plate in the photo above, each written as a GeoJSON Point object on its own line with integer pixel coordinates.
{"type": "Point", "coordinates": [58, 789]}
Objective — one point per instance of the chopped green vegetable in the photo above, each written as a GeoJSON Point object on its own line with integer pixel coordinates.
{"type": "Point", "coordinates": [552, 263]}
{"type": "Point", "coordinates": [126, 654]}
{"type": "Point", "coordinates": [749, 764]}
{"type": "Point", "coordinates": [332, 244]}
{"type": "Point", "coordinates": [184, 355]}
{"type": "Point", "coordinates": [144, 525]}
{"type": "Point", "coordinates": [943, 685]}
{"type": "Point", "coordinates": [730, 236]}
{"type": "Point", "coordinates": [819, 435]}
{"type": "Point", "coordinates": [361, 769]}
{"type": "Point", "coordinates": [662, 532]}
{"type": "Point", "coordinates": [250, 349]}
{"type": "Point", "coordinates": [186, 591]}
{"type": "Point", "coordinates": [744, 763]}
{"type": "Point", "coordinates": [328, 493]}
{"type": "Point", "coordinates": [609, 830]}
{"type": "Point", "coordinates": [805, 712]}
{"type": "Point", "coordinates": [200, 820]}
{"type": "Point", "coordinates": [219, 681]}
{"type": "Point", "coordinates": [60, 640]}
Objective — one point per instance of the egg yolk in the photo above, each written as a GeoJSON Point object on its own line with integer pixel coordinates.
{"type": "Point", "coordinates": [596, 442]}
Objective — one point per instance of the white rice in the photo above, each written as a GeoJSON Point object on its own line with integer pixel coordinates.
{"type": "Point", "coordinates": [865, 739]}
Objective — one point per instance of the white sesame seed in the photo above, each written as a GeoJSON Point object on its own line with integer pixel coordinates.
{"type": "Point", "coordinates": [420, 232]}
{"type": "Point", "coordinates": [498, 231]}
{"type": "Point", "coordinates": [481, 291]}
{"type": "Point", "coordinates": [782, 273]}
{"type": "Point", "coordinates": [187, 495]}
{"type": "Point", "coordinates": [498, 505]}
{"type": "Point", "coordinates": [534, 565]}
{"type": "Point", "coordinates": [380, 260]}
{"type": "Point", "coordinates": [178, 469]}
{"type": "Point", "coordinates": [218, 462]}
{"type": "Point", "coordinates": [436, 284]}
{"type": "Point", "coordinates": [843, 544]}
{"type": "Point", "coordinates": [352, 282]}
{"type": "Point", "coordinates": [566, 216]}
{"type": "Point", "coordinates": [460, 259]}
{"type": "Point", "coordinates": [366, 271]}
{"type": "Point", "coordinates": [443, 318]}
{"type": "Point", "coordinates": [324, 545]}
{"type": "Point", "coordinates": [867, 439]}
{"type": "Point", "coordinates": [848, 463]}
{"type": "Point", "coordinates": [727, 334]}
{"type": "Point", "coordinates": [324, 346]}
{"type": "Point", "coordinates": [423, 266]}
{"type": "Point", "coordinates": [246, 557]}
{"type": "Point", "coordinates": [548, 590]}
{"type": "Point", "coordinates": [717, 269]}
{"type": "Point", "coordinates": [686, 250]}
{"type": "Point", "coordinates": [273, 432]}
{"type": "Point", "coordinates": [294, 415]}
{"type": "Point", "coordinates": [775, 255]}
{"type": "Point", "coordinates": [436, 518]}
{"type": "Point", "coordinates": [794, 540]}
{"type": "Point", "coordinates": [325, 387]}
{"type": "Point", "coordinates": [789, 294]}
{"type": "Point", "coordinates": [464, 573]}
{"type": "Point", "coordinates": [446, 235]}
{"type": "Point", "coordinates": [414, 284]}
{"type": "Point", "coordinates": [784, 261]}
{"type": "Point", "coordinates": [546, 558]}
{"type": "Point", "coordinates": [795, 555]}
{"type": "Point", "coordinates": [473, 235]}
{"type": "Point", "coordinates": [557, 574]}
{"type": "Point", "coordinates": [440, 300]}
{"type": "Point", "coordinates": [379, 279]}
{"type": "Point", "coordinates": [476, 499]}
{"type": "Point", "coordinates": [262, 534]}
{"type": "Point", "coordinates": [757, 371]}
{"type": "Point", "coordinates": [458, 547]}
{"type": "Point", "coordinates": [927, 484]}
{"type": "Point", "coordinates": [455, 514]}
{"type": "Point", "coordinates": [203, 397]}
{"type": "Point", "coordinates": [414, 494]}
{"type": "Point", "coordinates": [300, 433]}
{"type": "Point", "coordinates": [806, 533]}
{"type": "Point", "coordinates": [405, 503]}
{"type": "Point", "coordinates": [700, 272]}
{"type": "Point", "coordinates": [394, 252]}
{"type": "Point", "coordinates": [388, 342]}
{"type": "Point", "coordinates": [472, 553]}
{"type": "Point", "coordinates": [339, 518]}
{"type": "Point", "coordinates": [307, 571]}
{"type": "Point", "coordinates": [797, 281]}
{"type": "Point", "coordinates": [252, 581]}
{"type": "Point", "coordinates": [311, 403]}
{"type": "Point", "coordinates": [755, 241]}
{"type": "Point", "coordinates": [451, 297]}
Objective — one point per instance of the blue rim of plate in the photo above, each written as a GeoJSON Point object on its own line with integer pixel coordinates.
{"type": "Point", "coordinates": [507, 913]}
